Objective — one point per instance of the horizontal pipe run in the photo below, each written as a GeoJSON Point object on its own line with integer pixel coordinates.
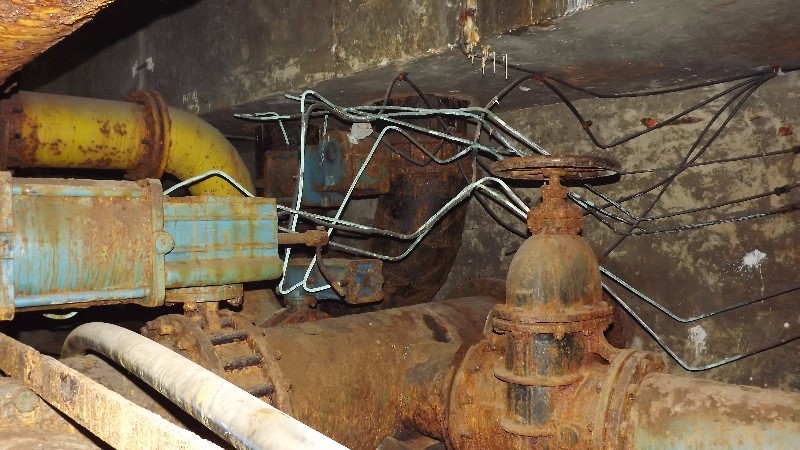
{"type": "Point", "coordinates": [362, 377]}
{"type": "Point", "coordinates": [106, 414]}
{"type": "Point", "coordinates": [57, 131]}
{"type": "Point", "coordinates": [688, 413]}
{"type": "Point", "coordinates": [230, 412]}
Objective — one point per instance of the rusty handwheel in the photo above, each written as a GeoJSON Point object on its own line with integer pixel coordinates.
{"type": "Point", "coordinates": [554, 215]}
{"type": "Point", "coordinates": [568, 167]}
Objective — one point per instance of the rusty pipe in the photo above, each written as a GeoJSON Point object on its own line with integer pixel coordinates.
{"type": "Point", "coordinates": [29, 28]}
{"type": "Point", "coordinates": [233, 414]}
{"type": "Point", "coordinates": [363, 377]}
{"type": "Point", "coordinates": [144, 137]}
{"type": "Point", "coordinates": [679, 412]}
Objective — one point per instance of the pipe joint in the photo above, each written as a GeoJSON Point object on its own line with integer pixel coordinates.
{"type": "Point", "coordinates": [156, 142]}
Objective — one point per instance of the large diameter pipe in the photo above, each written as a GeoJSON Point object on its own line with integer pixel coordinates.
{"type": "Point", "coordinates": [363, 377]}
{"type": "Point", "coordinates": [686, 413]}
{"type": "Point", "coordinates": [46, 130]}
{"type": "Point", "coordinates": [29, 28]}
{"type": "Point", "coordinates": [233, 414]}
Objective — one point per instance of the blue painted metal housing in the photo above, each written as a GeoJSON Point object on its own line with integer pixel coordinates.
{"type": "Point", "coordinates": [361, 280]}
{"type": "Point", "coordinates": [221, 240]}
{"type": "Point", "coordinates": [86, 242]}
{"type": "Point", "coordinates": [330, 168]}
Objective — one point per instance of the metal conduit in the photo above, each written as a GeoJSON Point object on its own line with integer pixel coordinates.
{"type": "Point", "coordinates": [233, 414]}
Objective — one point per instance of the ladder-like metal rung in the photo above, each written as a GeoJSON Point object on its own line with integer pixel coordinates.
{"type": "Point", "coordinates": [228, 337]}
{"type": "Point", "coordinates": [242, 361]}
{"type": "Point", "coordinates": [261, 390]}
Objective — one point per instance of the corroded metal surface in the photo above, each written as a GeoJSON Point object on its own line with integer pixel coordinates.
{"type": "Point", "coordinates": [228, 348]}
{"type": "Point", "coordinates": [667, 411]}
{"type": "Point", "coordinates": [359, 378]}
{"type": "Point", "coordinates": [568, 167]}
{"type": "Point", "coordinates": [45, 130]}
{"type": "Point", "coordinates": [90, 404]}
{"type": "Point", "coordinates": [27, 421]}
{"type": "Point", "coordinates": [415, 194]}
{"type": "Point", "coordinates": [221, 240]}
{"type": "Point", "coordinates": [85, 242]}
{"type": "Point", "coordinates": [331, 164]}
{"type": "Point", "coordinates": [67, 237]}
{"type": "Point", "coordinates": [227, 410]}
{"type": "Point", "coordinates": [27, 28]}
{"type": "Point", "coordinates": [311, 238]}
{"type": "Point", "coordinates": [355, 281]}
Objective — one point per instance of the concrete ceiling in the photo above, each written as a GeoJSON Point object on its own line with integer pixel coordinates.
{"type": "Point", "coordinates": [617, 46]}
{"type": "Point", "coordinates": [245, 59]}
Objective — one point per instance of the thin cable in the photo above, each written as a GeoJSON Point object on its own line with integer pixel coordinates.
{"type": "Point", "coordinates": [747, 92]}
{"type": "Point", "coordinates": [677, 318]}
{"type": "Point", "coordinates": [678, 359]}
{"type": "Point", "coordinates": [795, 150]}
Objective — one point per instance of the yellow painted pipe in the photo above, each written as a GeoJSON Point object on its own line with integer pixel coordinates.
{"type": "Point", "coordinates": [147, 139]}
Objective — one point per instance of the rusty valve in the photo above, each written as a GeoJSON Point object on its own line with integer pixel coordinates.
{"type": "Point", "coordinates": [554, 215]}
{"type": "Point", "coordinates": [568, 167]}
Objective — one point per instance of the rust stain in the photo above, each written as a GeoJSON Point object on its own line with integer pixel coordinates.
{"type": "Point", "coordinates": [119, 128]}
{"type": "Point", "coordinates": [686, 120]}
{"type": "Point", "coordinates": [785, 131]}
{"type": "Point", "coordinates": [649, 122]}
{"type": "Point", "coordinates": [30, 27]}
{"type": "Point", "coordinates": [104, 127]}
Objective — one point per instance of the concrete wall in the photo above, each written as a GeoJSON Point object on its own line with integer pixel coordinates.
{"type": "Point", "coordinates": [205, 55]}
{"type": "Point", "coordinates": [694, 271]}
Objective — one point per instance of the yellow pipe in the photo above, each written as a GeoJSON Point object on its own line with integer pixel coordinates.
{"type": "Point", "coordinates": [147, 139]}
{"type": "Point", "coordinates": [197, 147]}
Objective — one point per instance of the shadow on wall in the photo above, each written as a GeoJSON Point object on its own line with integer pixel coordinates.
{"type": "Point", "coordinates": [113, 24]}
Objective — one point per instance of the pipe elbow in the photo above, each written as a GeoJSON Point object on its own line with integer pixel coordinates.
{"type": "Point", "coordinates": [197, 147]}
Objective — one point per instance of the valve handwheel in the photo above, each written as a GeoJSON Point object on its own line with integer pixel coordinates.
{"type": "Point", "coordinates": [554, 215]}
{"type": "Point", "coordinates": [568, 167]}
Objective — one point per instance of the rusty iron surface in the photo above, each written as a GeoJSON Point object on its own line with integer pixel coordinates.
{"type": "Point", "coordinates": [44, 130]}
{"type": "Point", "coordinates": [156, 117]}
{"type": "Point", "coordinates": [66, 241]}
{"type": "Point", "coordinates": [259, 305]}
{"type": "Point", "coordinates": [226, 344]}
{"type": "Point", "coordinates": [90, 404]}
{"type": "Point", "coordinates": [358, 378]}
{"type": "Point", "coordinates": [122, 382]}
{"type": "Point", "coordinates": [27, 421]}
{"type": "Point", "coordinates": [31, 27]}
{"type": "Point", "coordinates": [415, 194]}
{"type": "Point", "coordinates": [332, 163]}
{"type": "Point", "coordinates": [568, 167]}
{"type": "Point", "coordinates": [294, 314]}
{"type": "Point", "coordinates": [690, 413]}
{"type": "Point", "coordinates": [479, 287]}
{"type": "Point", "coordinates": [311, 238]}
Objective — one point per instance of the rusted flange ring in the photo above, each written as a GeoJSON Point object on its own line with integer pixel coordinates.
{"type": "Point", "coordinates": [575, 314]}
{"type": "Point", "coordinates": [625, 373]}
{"type": "Point", "coordinates": [156, 112]}
{"type": "Point", "coordinates": [568, 167]}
